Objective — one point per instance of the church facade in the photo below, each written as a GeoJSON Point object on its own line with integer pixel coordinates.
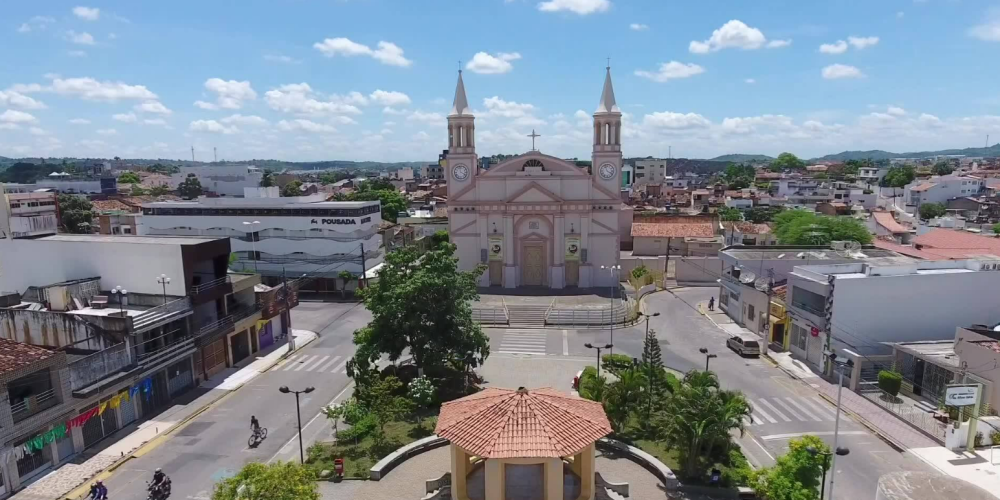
{"type": "Point", "coordinates": [536, 220]}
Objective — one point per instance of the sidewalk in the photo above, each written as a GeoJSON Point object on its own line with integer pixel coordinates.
{"type": "Point", "coordinates": [972, 467]}
{"type": "Point", "coordinates": [61, 482]}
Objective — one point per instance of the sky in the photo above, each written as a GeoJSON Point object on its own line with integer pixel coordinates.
{"type": "Point", "coordinates": [305, 80]}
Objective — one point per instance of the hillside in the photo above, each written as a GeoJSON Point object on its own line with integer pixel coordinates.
{"type": "Point", "coordinates": [681, 165]}
{"type": "Point", "coordinates": [739, 158]}
{"type": "Point", "coordinates": [878, 154]}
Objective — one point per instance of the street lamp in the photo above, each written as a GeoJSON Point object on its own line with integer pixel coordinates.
{"type": "Point", "coordinates": [121, 293]}
{"type": "Point", "coordinates": [704, 350]}
{"type": "Point", "coordinates": [253, 241]}
{"type": "Point", "coordinates": [647, 316]}
{"type": "Point", "coordinates": [163, 280]}
{"type": "Point", "coordinates": [614, 284]}
{"type": "Point", "coordinates": [298, 413]}
{"type": "Point", "coordinates": [842, 451]}
{"type": "Point", "coordinates": [836, 423]}
{"type": "Point", "coordinates": [588, 345]}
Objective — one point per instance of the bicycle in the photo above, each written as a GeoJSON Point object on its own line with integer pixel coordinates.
{"type": "Point", "coordinates": [257, 436]}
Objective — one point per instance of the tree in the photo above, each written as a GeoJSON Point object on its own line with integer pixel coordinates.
{"type": "Point", "coordinates": [727, 214]}
{"type": "Point", "coordinates": [159, 190]}
{"type": "Point", "coordinates": [138, 190]}
{"type": "Point", "coordinates": [622, 396]}
{"type": "Point", "coordinates": [267, 179]}
{"type": "Point", "coordinates": [996, 228]}
{"type": "Point", "coordinates": [890, 381]}
{"type": "Point", "coordinates": [346, 276]}
{"type": "Point", "coordinates": [421, 392]}
{"type": "Point", "coordinates": [190, 188]}
{"type": "Point", "coordinates": [787, 161]}
{"type": "Point", "coordinates": [277, 481]}
{"type": "Point", "coordinates": [76, 213]}
{"type": "Point", "coordinates": [739, 176]}
{"type": "Point", "coordinates": [378, 396]}
{"type": "Point", "coordinates": [760, 215]}
{"type": "Point", "coordinates": [26, 173]}
{"type": "Point", "coordinates": [898, 177]}
{"type": "Point", "coordinates": [293, 188]}
{"type": "Point", "coordinates": [652, 357]}
{"type": "Point", "coordinates": [440, 237]}
{"type": "Point", "coordinates": [800, 227]}
{"type": "Point", "coordinates": [422, 302]}
{"type": "Point", "coordinates": [932, 210]}
{"type": "Point", "coordinates": [392, 202]}
{"type": "Point", "coordinates": [796, 475]}
{"type": "Point", "coordinates": [129, 178]}
{"type": "Point", "coordinates": [942, 168]}
{"type": "Point", "coordinates": [377, 184]}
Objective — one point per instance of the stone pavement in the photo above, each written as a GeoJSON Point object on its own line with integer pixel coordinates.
{"type": "Point", "coordinates": [61, 482]}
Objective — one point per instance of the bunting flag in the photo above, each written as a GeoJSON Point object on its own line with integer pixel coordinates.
{"type": "Point", "coordinates": [100, 410]}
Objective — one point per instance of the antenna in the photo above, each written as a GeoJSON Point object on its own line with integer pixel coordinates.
{"type": "Point", "coordinates": [192, 153]}
{"type": "Point", "coordinates": [215, 154]}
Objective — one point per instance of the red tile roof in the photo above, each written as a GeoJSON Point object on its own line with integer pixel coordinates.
{"type": "Point", "coordinates": [14, 355]}
{"type": "Point", "coordinates": [907, 250]}
{"type": "Point", "coordinates": [672, 230]}
{"type": "Point", "coordinates": [747, 227]}
{"type": "Point", "coordinates": [923, 187]}
{"type": "Point", "coordinates": [506, 423]}
{"type": "Point", "coordinates": [886, 220]}
{"type": "Point", "coordinates": [781, 292]}
{"type": "Point", "coordinates": [957, 244]}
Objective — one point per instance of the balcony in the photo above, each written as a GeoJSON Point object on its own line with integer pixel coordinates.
{"type": "Point", "coordinates": [177, 348]}
{"type": "Point", "coordinates": [33, 404]}
{"type": "Point", "coordinates": [213, 288]}
{"type": "Point", "coordinates": [229, 321]}
{"type": "Point", "coordinates": [815, 311]}
{"type": "Point", "coordinates": [94, 367]}
{"type": "Point", "coordinates": [208, 285]}
{"type": "Point", "coordinates": [160, 315]}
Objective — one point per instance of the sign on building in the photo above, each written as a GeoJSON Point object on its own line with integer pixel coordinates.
{"type": "Point", "coordinates": [961, 395]}
{"type": "Point", "coordinates": [496, 248]}
{"type": "Point", "coordinates": [572, 248]}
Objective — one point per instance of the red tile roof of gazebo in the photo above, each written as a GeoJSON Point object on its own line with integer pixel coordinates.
{"type": "Point", "coordinates": [506, 423]}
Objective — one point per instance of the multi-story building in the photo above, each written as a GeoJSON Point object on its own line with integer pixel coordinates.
{"type": "Point", "coordinates": [872, 175]}
{"type": "Point", "coordinates": [940, 189]}
{"type": "Point", "coordinates": [224, 180]}
{"type": "Point", "coordinates": [433, 171]}
{"type": "Point", "coordinates": [28, 213]}
{"type": "Point", "coordinates": [276, 236]}
{"type": "Point", "coordinates": [650, 170]}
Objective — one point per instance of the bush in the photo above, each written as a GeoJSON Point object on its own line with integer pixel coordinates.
{"type": "Point", "coordinates": [640, 272]}
{"type": "Point", "coordinates": [616, 363]}
{"type": "Point", "coordinates": [995, 438]}
{"type": "Point", "coordinates": [890, 382]}
{"type": "Point", "coordinates": [978, 440]}
{"type": "Point", "coordinates": [932, 210]}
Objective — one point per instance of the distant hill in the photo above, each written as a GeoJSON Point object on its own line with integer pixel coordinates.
{"type": "Point", "coordinates": [737, 158]}
{"type": "Point", "coordinates": [878, 154]}
{"type": "Point", "coordinates": [681, 165]}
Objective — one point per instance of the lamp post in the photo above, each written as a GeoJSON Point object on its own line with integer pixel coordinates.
{"type": "Point", "coordinates": [647, 316]}
{"type": "Point", "coordinates": [121, 293]}
{"type": "Point", "coordinates": [614, 283]}
{"type": "Point", "coordinates": [841, 365]}
{"type": "Point", "coordinates": [588, 345]}
{"type": "Point", "coordinates": [163, 280]}
{"type": "Point", "coordinates": [704, 350]}
{"type": "Point", "coordinates": [842, 451]}
{"type": "Point", "coordinates": [298, 413]}
{"type": "Point", "coordinates": [253, 241]}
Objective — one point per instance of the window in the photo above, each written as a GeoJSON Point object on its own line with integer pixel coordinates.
{"type": "Point", "coordinates": [724, 298]}
{"type": "Point", "coordinates": [750, 311]}
{"type": "Point", "coordinates": [799, 336]}
{"type": "Point", "coordinates": [808, 301]}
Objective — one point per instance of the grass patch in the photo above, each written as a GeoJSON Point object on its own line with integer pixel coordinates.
{"type": "Point", "coordinates": [361, 456]}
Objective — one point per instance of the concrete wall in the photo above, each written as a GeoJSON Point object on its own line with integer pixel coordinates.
{"type": "Point", "coordinates": [980, 360]}
{"type": "Point", "coordinates": [697, 271]}
{"type": "Point", "coordinates": [49, 329]}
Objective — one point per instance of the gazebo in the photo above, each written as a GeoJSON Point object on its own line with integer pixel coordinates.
{"type": "Point", "coordinates": [520, 444]}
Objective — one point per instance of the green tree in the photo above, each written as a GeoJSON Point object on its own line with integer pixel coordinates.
{"type": "Point", "coordinates": [380, 398]}
{"type": "Point", "coordinates": [26, 173]}
{"type": "Point", "coordinates": [277, 481]}
{"type": "Point", "coordinates": [787, 161]}
{"type": "Point", "coordinates": [138, 190]}
{"type": "Point", "coordinates": [76, 213]}
{"type": "Point", "coordinates": [616, 363]}
{"type": "Point", "coordinates": [293, 188]}
{"type": "Point", "coordinates": [421, 392]}
{"type": "Point", "coordinates": [739, 176]}
{"type": "Point", "coordinates": [727, 214]}
{"type": "Point", "coordinates": [159, 190]}
{"type": "Point", "coordinates": [898, 177]}
{"type": "Point", "coordinates": [129, 178]}
{"type": "Point", "coordinates": [932, 210]}
{"type": "Point", "coordinates": [392, 202]}
{"type": "Point", "coordinates": [190, 188]}
{"type": "Point", "coordinates": [622, 396]}
{"type": "Point", "coordinates": [796, 475]}
{"type": "Point", "coordinates": [422, 302]}
{"type": "Point", "coordinates": [345, 276]}
{"type": "Point", "coordinates": [942, 168]}
{"type": "Point", "coordinates": [377, 184]}
{"type": "Point", "coordinates": [800, 227]}
{"type": "Point", "coordinates": [440, 237]}
{"type": "Point", "coordinates": [996, 228]}
{"type": "Point", "coordinates": [890, 381]}
{"type": "Point", "coordinates": [267, 178]}
{"type": "Point", "coordinates": [760, 215]}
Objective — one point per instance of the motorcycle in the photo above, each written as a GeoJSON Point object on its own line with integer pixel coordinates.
{"type": "Point", "coordinates": [158, 492]}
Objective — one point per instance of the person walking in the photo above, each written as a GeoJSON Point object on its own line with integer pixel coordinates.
{"type": "Point", "coordinates": [711, 303]}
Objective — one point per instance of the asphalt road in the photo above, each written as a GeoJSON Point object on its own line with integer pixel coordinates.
{"type": "Point", "coordinates": [213, 446]}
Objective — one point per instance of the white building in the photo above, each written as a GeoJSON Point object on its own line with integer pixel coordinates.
{"type": "Point", "coordinates": [27, 213]}
{"type": "Point", "coordinates": [940, 189]}
{"type": "Point", "coordinates": [679, 183]}
{"type": "Point", "coordinates": [872, 175]}
{"type": "Point", "coordinates": [270, 234]}
{"type": "Point", "coordinates": [650, 170]}
{"type": "Point", "coordinates": [534, 219]}
{"type": "Point", "coordinates": [860, 306]}
{"type": "Point", "coordinates": [224, 180]}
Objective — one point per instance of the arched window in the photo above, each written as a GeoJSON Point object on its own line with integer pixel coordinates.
{"type": "Point", "coordinates": [533, 163]}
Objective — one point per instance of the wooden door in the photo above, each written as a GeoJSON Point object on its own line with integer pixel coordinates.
{"type": "Point", "coordinates": [572, 274]}
{"type": "Point", "coordinates": [496, 273]}
{"type": "Point", "coordinates": [534, 262]}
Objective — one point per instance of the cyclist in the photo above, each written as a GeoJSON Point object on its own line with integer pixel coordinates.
{"type": "Point", "coordinates": [254, 425]}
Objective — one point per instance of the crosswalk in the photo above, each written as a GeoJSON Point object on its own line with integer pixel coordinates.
{"type": "Point", "coordinates": [779, 410]}
{"type": "Point", "coordinates": [319, 363]}
{"type": "Point", "coordinates": [517, 341]}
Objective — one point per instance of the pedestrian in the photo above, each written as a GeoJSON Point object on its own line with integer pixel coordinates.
{"type": "Point", "coordinates": [711, 303]}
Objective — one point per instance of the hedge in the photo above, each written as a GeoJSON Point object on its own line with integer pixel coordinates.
{"type": "Point", "coordinates": [890, 381]}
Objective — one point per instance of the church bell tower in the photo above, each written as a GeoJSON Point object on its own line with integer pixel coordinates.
{"type": "Point", "coordinates": [462, 162]}
{"type": "Point", "coordinates": [607, 153]}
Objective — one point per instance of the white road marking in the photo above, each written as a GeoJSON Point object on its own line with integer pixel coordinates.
{"type": "Point", "coordinates": [825, 406]}
{"type": "Point", "coordinates": [303, 362]}
{"type": "Point", "coordinates": [813, 433]}
{"type": "Point", "coordinates": [565, 342]}
{"type": "Point", "coordinates": [291, 362]}
{"type": "Point", "coordinates": [788, 409]}
{"type": "Point", "coordinates": [340, 366]}
{"type": "Point", "coordinates": [332, 361]}
{"type": "Point", "coordinates": [802, 408]}
{"type": "Point", "coordinates": [761, 447]}
{"type": "Point", "coordinates": [775, 410]}
{"type": "Point", "coordinates": [764, 414]}
{"type": "Point", "coordinates": [317, 363]}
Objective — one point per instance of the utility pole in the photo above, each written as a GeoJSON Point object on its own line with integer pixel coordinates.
{"type": "Point", "coordinates": [767, 324]}
{"type": "Point", "coordinates": [288, 309]}
{"type": "Point", "coordinates": [192, 153]}
{"type": "Point", "coordinates": [364, 265]}
{"type": "Point", "coordinates": [215, 154]}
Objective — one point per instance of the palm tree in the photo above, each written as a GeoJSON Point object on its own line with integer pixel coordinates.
{"type": "Point", "coordinates": [622, 396]}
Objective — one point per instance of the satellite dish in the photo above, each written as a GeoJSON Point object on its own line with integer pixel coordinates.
{"type": "Point", "coordinates": [761, 284]}
{"type": "Point", "coordinates": [852, 245]}
{"type": "Point", "coordinates": [747, 277]}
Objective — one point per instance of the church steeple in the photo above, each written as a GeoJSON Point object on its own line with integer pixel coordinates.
{"type": "Point", "coordinates": [461, 123]}
{"type": "Point", "coordinates": [607, 104]}
{"type": "Point", "coordinates": [608, 119]}
{"type": "Point", "coordinates": [460, 105]}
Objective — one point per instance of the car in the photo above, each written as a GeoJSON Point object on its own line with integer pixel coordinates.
{"type": "Point", "coordinates": [744, 344]}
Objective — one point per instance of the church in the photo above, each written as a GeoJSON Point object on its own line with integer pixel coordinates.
{"type": "Point", "coordinates": [536, 220]}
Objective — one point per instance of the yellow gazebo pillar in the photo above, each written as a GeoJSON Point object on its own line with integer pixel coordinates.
{"type": "Point", "coordinates": [494, 479]}
{"type": "Point", "coordinates": [553, 479]}
{"type": "Point", "coordinates": [586, 472]}
{"type": "Point", "coordinates": [459, 473]}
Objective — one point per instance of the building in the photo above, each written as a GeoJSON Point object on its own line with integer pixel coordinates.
{"type": "Point", "coordinates": [872, 175]}
{"type": "Point", "coordinates": [862, 306]}
{"type": "Point", "coordinates": [433, 171]}
{"type": "Point", "coordinates": [534, 219]}
{"type": "Point", "coordinates": [940, 189]}
{"type": "Point", "coordinates": [650, 170]}
{"type": "Point", "coordinates": [980, 210]}
{"type": "Point", "coordinates": [687, 235]}
{"type": "Point", "coordinates": [884, 225]}
{"type": "Point", "coordinates": [747, 234]}
{"type": "Point", "coordinates": [124, 223]}
{"type": "Point", "coordinates": [223, 180]}
{"type": "Point", "coordinates": [275, 236]}
{"type": "Point", "coordinates": [955, 244]}
{"type": "Point", "coordinates": [27, 214]}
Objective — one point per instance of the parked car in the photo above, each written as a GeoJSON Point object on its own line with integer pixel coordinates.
{"type": "Point", "coordinates": [744, 344]}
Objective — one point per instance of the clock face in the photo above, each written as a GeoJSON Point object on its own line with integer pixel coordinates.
{"type": "Point", "coordinates": [607, 171]}
{"type": "Point", "coordinates": [461, 172]}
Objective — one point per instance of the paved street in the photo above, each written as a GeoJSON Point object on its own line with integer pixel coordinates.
{"type": "Point", "coordinates": [214, 445]}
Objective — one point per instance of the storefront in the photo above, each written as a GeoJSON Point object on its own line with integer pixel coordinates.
{"type": "Point", "coordinates": [179, 377]}
{"type": "Point", "coordinates": [265, 335]}
{"type": "Point", "coordinates": [213, 357]}
{"type": "Point", "coordinates": [239, 345]}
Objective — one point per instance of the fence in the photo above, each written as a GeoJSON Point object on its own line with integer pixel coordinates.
{"type": "Point", "coordinates": [907, 411]}
{"type": "Point", "coordinates": [621, 314]}
{"type": "Point", "coordinates": [492, 315]}
{"type": "Point", "coordinates": [90, 369]}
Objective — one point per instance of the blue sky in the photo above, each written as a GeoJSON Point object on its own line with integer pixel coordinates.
{"type": "Point", "coordinates": [372, 79]}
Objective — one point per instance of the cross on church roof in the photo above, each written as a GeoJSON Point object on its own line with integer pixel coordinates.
{"type": "Point", "coordinates": [533, 135]}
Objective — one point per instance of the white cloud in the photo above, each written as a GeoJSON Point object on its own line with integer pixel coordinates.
{"type": "Point", "coordinates": [281, 58]}
{"type": "Point", "coordinates": [37, 131]}
{"type": "Point", "coordinates": [929, 119]}
{"type": "Point", "coordinates": [211, 126]}
{"type": "Point", "coordinates": [80, 121]}
{"type": "Point", "coordinates": [496, 106]}
{"type": "Point", "coordinates": [389, 110]}
{"type": "Point", "coordinates": [838, 47]}
{"type": "Point", "coordinates": [862, 42]}
{"type": "Point", "coordinates": [896, 111]}
{"type": "Point", "coordinates": [777, 44]}
{"type": "Point", "coordinates": [299, 98]}
{"type": "Point", "coordinates": [76, 53]}
{"type": "Point", "coordinates": [487, 64]}
{"type": "Point", "coordinates": [205, 105]}
{"type": "Point", "coordinates": [385, 131]}
{"type": "Point", "coordinates": [581, 7]}
{"type": "Point", "coordinates": [675, 121]}
{"type": "Point", "coordinates": [107, 131]}
{"type": "Point", "coordinates": [82, 38]}
{"type": "Point", "coordinates": [155, 121]}
{"type": "Point", "coordinates": [155, 107]}
{"type": "Point", "coordinates": [9, 126]}
{"type": "Point", "coordinates": [112, 36]}
{"type": "Point", "coordinates": [734, 34]}
{"type": "Point", "coordinates": [837, 71]}
{"type": "Point", "coordinates": [16, 99]}
{"type": "Point", "coordinates": [87, 13]}
{"type": "Point", "coordinates": [230, 94]}
{"type": "Point", "coordinates": [250, 120]}
{"type": "Point", "coordinates": [750, 81]}
{"type": "Point", "coordinates": [429, 118]}
{"type": "Point", "coordinates": [389, 124]}
{"type": "Point", "coordinates": [125, 117]}
{"type": "Point", "coordinates": [386, 52]}
{"type": "Point", "coordinates": [389, 98]}
{"type": "Point", "coordinates": [301, 125]}
{"type": "Point", "coordinates": [988, 31]}
{"type": "Point", "coordinates": [14, 116]}
{"type": "Point", "coordinates": [670, 71]}
{"type": "Point", "coordinates": [749, 124]}
{"type": "Point", "coordinates": [638, 27]}
{"type": "Point", "coordinates": [92, 90]}
{"type": "Point", "coordinates": [37, 22]}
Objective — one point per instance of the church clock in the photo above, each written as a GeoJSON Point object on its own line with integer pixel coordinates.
{"type": "Point", "coordinates": [461, 172]}
{"type": "Point", "coordinates": [607, 171]}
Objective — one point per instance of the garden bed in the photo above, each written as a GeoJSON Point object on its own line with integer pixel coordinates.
{"type": "Point", "coordinates": [359, 457]}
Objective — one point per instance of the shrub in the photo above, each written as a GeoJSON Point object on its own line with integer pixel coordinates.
{"type": "Point", "coordinates": [995, 438]}
{"type": "Point", "coordinates": [616, 363]}
{"type": "Point", "coordinates": [978, 440]}
{"type": "Point", "coordinates": [640, 272]}
{"type": "Point", "coordinates": [890, 382]}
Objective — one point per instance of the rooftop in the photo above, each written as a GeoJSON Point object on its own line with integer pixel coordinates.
{"type": "Point", "coordinates": [939, 352]}
{"type": "Point", "coordinates": [14, 355]}
{"type": "Point", "coordinates": [674, 226]}
{"type": "Point", "coordinates": [951, 244]}
{"type": "Point", "coordinates": [808, 253]}
{"type": "Point", "coordinates": [923, 186]}
{"type": "Point", "coordinates": [858, 270]}
{"type": "Point", "coordinates": [129, 240]}
{"type": "Point", "coordinates": [886, 220]}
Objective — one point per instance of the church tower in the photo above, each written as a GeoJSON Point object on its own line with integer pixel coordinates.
{"type": "Point", "coordinates": [462, 162]}
{"type": "Point", "coordinates": [607, 154]}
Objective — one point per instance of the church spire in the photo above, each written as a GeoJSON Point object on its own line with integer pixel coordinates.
{"type": "Point", "coordinates": [460, 106]}
{"type": "Point", "coordinates": [607, 104]}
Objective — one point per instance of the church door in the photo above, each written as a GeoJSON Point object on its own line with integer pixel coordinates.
{"type": "Point", "coordinates": [496, 273]}
{"type": "Point", "coordinates": [572, 274]}
{"type": "Point", "coordinates": [532, 266]}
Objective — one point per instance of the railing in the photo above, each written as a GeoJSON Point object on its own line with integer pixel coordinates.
{"type": "Point", "coordinates": [243, 312]}
{"type": "Point", "coordinates": [808, 309]}
{"type": "Point", "coordinates": [158, 312]}
{"type": "Point", "coordinates": [588, 317]}
{"type": "Point", "coordinates": [219, 324]}
{"type": "Point", "coordinates": [153, 357]}
{"type": "Point", "coordinates": [916, 417]}
{"type": "Point", "coordinates": [90, 369]}
{"type": "Point", "coordinates": [495, 315]}
{"type": "Point", "coordinates": [33, 404]}
{"type": "Point", "coordinates": [196, 289]}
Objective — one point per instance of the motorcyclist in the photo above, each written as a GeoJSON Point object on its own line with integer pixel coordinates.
{"type": "Point", "coordinates": [98, 491]}
{"type": "Point", "coordinates": [161, 483]}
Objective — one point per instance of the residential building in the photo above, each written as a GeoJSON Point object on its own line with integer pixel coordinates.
{"type": "Point", "coordinates": [701, 199]}
{"type": "Point", "coordinates": [885, 226]}
{"type": "Point", "coordinates": [28, 214]}
{"type": "Point", "coordinates": [872, 175]}
{"type": "Point", "coordinates": [404, 174]}
{"type": "Point", "coordinates": [687, 235]}
{"type": "Point", "coordinates": [628, 175]}
{"type": "Point", "coordinates": [276, 236]}
{"type": "Point", "coordinates": [940, 189]}
{"type": "Point", "coordinates": [77, 184]}
{"type": "Point", "coordinates": [676, 183]}
{"type": "Point", "coordinates": [433, 171]}
{"type": "Point", "coordinates": [978, 349]}
{"type": "Point", "coordinates": [124, 223]}
{"type": "Point", "coordinates": [223, 180]}
{"type": "Point", "coordinates": [425, 221]}
{"type": "Point", "coordinates": [981, 210]}
{"type": "Point", "coordinates": [748, 234]}
{"type": "Point", "coordinates": [955, 244]}
{"type": "Point", "coordinates": [861, 306]}
{"type": "Point", "coordinates": [650, 170]}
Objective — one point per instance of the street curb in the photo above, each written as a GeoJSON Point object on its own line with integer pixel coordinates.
{"type": "Point", "coordinates": [81, 491]}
